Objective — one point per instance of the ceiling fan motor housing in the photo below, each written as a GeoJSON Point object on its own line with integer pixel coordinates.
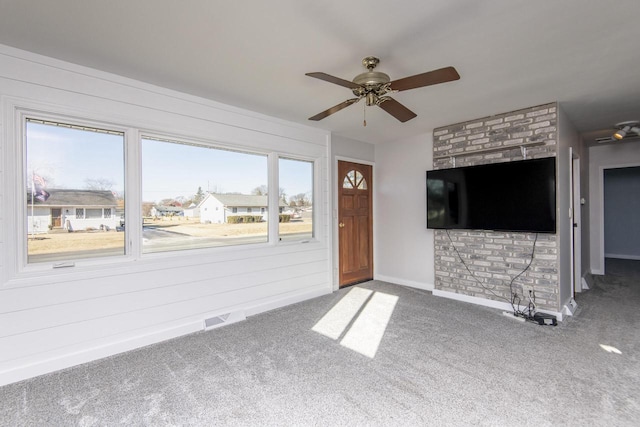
{"type": "Point", "coordinates": [372, 81]}
{"type": "Point", "coordinates": [372, 78]}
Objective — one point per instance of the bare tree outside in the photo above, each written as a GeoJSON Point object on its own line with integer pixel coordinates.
{"type": "Point", "coordinates": [99, 184]}
{"type": "Point", "coordinates": [261, 190]}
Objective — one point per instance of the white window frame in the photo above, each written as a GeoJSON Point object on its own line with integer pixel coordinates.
{"type": "Point", "coordinates": [16, 112]}
{"type": "Point", "coordinates": [204, 143]}
{"type": "Point", "coordinates": [15, 188]}
{"type": "Point", "coordinates": [314, 197]}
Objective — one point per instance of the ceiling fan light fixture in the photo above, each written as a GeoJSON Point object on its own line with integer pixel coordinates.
{"type": "Point", "coordinates": [371, 99]}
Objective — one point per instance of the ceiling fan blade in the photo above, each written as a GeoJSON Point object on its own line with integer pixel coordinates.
{"type": "Point", "coordinates": [396, 109]}
{"type": "Point", "coordinates": [434, 77]}
{"type": "Point", "coordinates": [335, 80]}
{"type": "Point", "coordinates": [334, 109]}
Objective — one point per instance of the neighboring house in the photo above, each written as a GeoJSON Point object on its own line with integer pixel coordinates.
{"type": "Point", "coordinates": [71, 210]}
{"type": "Point", "coordinates": [193, 211]}
{"type": "Point", "coordinates": [158, 211]}
{"type": "Point", "coordinates": [216, 208]}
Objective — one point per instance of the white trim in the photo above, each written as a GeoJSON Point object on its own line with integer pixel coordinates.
{"type": "Point", "coordinates": [352, 160]}
{"type": "Point", "coordinates": [486, 302]}
{"type": "Point", "coordinates": [576, 218]}
{"type": "Point", "coordinates": [570, 307]}
{"type": "Point", "coordinates": [403, 282]}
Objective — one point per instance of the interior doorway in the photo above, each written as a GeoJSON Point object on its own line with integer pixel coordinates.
{"type": "Point", "coordinates": [355, 223]}
{"type": "Point", "coordinates": [621, 204]}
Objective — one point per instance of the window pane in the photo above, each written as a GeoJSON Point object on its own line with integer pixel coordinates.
{"type": "Point", "coordinates": [296, 199]}
{"type": "Point", "coordinates": [200, 197]}
{"type": "Point", "coordinates": [73, 173]}
{"type": "Point", "coordinates": [93, 213]}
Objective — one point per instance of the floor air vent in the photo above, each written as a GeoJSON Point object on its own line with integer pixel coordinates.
{"type": "Point", "coordinates": [223, 319]}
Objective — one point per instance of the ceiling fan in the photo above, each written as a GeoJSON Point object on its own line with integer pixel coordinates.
{"type": "Point", "coordinates": [375, 87]}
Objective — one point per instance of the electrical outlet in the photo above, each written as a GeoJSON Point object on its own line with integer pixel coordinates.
{"type": "Point", "coordinates": [527, 290]}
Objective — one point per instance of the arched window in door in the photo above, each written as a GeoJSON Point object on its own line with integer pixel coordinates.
{"type": "Point", "coordinates": [354, 179]}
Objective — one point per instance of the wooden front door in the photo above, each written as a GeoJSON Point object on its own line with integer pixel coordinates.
{"type": "Point", "coordinates": [56, 217]}
{"type": "Point", "coordinates": [355, 223]}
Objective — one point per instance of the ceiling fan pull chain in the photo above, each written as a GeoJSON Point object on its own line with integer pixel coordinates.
{"type": "Point", "coordinates": [364, 114]}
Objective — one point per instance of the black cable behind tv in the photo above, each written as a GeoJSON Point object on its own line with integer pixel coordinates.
{"type": "Point", "coordinates": [510, 196]}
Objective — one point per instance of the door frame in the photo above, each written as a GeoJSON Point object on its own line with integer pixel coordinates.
{"type": "Point", "coordinates": [576, 223]}
{"type": "Point", "coordinates": [335, 273]}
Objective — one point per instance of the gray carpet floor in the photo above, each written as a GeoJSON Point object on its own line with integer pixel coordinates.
{"type": "Point", "coordinates": [439, 362]}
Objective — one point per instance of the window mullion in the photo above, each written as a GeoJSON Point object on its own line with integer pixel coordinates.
{"type": "Point", "coordinates": [274, 199]}
{"type": "Point", "coordinates": [133, 193]}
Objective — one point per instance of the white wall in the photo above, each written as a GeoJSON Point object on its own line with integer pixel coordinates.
{"type": "Point", "coordinates": [351, 149]}
{"type": "Point", "coordinates": [622, 213]}
{"type": "Point", "coordinates": [404, 246]}
{"type": "Point", "coordinates": [606, 156]}
{"type": "Point", "coordinates": [54, 318]}
{"type": "Point", "coordinates": [568, 137]}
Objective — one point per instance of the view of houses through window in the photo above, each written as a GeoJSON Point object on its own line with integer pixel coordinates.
{"type": "Point", "coordinates": [296, 199]}
{"type": "Point", "coordinates": [193, 195]}
{"type": "Point", "coordinates": [75, 190]}
{"type": "Point", "coordinates": [196, 196]}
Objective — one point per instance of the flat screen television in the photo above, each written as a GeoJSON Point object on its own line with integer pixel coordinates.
{"type": "Point", "coordinates": [509, 196]}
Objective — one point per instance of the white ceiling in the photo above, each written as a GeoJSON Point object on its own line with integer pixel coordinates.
{"type": "Point", "coordinates": [253, 54]}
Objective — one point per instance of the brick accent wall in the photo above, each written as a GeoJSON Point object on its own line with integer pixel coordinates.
{"type": "Point", "coordinates": [494, 259]}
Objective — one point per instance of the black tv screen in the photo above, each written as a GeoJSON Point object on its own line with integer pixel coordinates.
{"type": "Point", "coordinates": [510, 196]}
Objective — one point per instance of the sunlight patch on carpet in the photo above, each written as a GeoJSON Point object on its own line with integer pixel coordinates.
{"type": "Point", "coordinates": [610, 349]}
{"type": "Point", "coordinates": [367, 312]}
{"type": "Point", "coordinates": [366, 333]}
{"type": "Point", "coordinates": [338, 318]}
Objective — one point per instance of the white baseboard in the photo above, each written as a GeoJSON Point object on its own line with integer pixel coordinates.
{"type": "Point", "coordinates": [403, 282]}
{"type": "Point", "coordinates": [570, 307]}
{"type": "Point", "coordinates": [289, 299]}
{"type": "Point", "coordinates": [585, 284]}
{"type": "Point", "coordinates": [486, 302]}
{"type": "Point", "coordinates": [77, 357]}
{"type": "Point", "coordinates": [68, 358]}
{"type": "Point", "coordinates": [619, 256]}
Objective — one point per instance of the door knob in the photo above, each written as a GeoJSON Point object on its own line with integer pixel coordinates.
{"type": "Point", "coordinates": [341, 225]}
